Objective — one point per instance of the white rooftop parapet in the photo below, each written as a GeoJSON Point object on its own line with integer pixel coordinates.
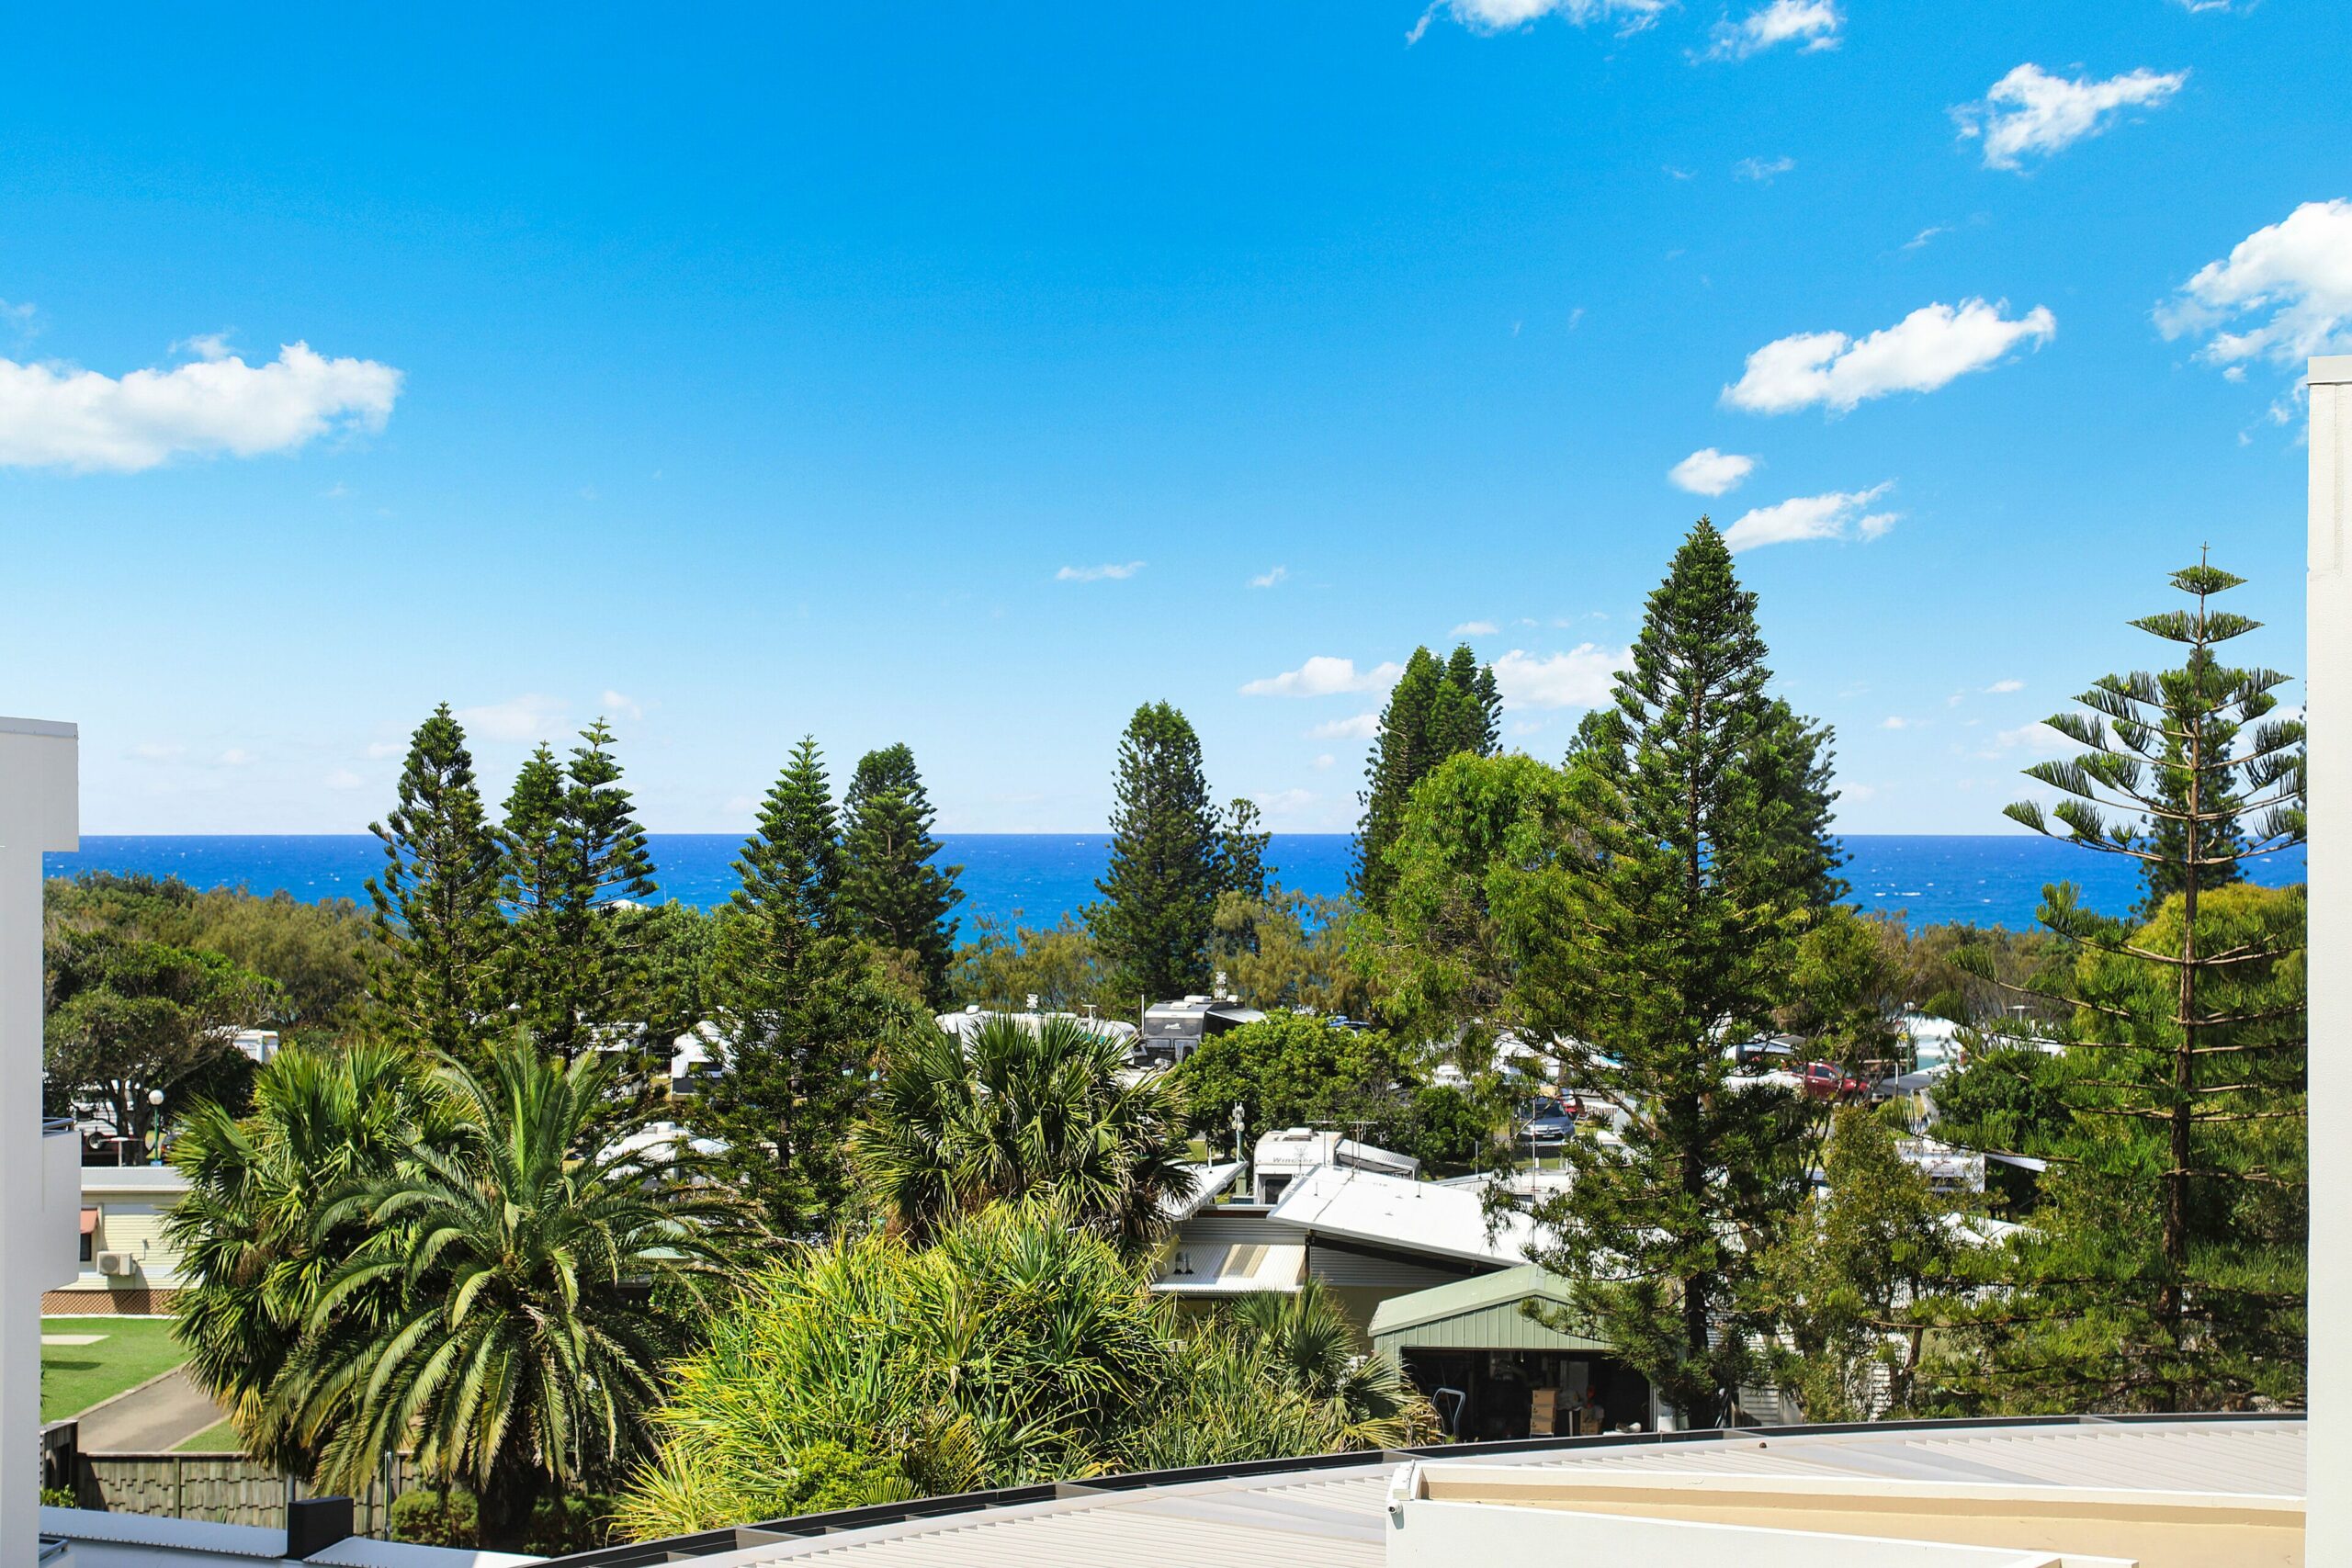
{"type": "Point", "coordinates": [2327, 688]}
{"type": "Point", "coordinates": [37, 812]}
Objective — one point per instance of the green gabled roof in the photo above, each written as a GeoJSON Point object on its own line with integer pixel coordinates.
{"type": "Point", "coordinates": [1497, 1296]}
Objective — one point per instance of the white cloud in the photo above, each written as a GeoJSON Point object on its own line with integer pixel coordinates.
{"type": "Point", "coordinates": [1362, 727]}
{"type": "Point", "coordinates": [1709, 472]}
{"type": "Point", "coordinates": [1115, 571]}
{"type": "Point", "coordinates": [56, 416]}
{"type": "Point", "coordinates": [18, 319]}
{"type": "Point", "coordinates": [158, 751]}
{"type": "Point", "coordinates": [2037, 738]}
{"type": "Point", "coordinates": [1474, 628]}
{"type": "Point", "coordinates": [1579, 678]}
{"type": "Point", "coordinates": [1269, 579]}
{"type": "Point", "coordinates": [379, 749]}
{"type": "Point", "coordinates": [1839, 514]}
{"type": "Point", "coordinates": [1285, 802]}
{"type": "Point", "coordinates": [1325, 760]}
{"type": "Point", "coordinates": [1813, 22]}
{"type": "Point", "coordinates": [1924, 235]}
{"type": "Point", "coordinates": [1503, 16]}
{"type": "Point", "coordinates": [1763, 171]}
{"type": "Point", "coordinates": [1895, 721]}
{"type": "Point", "coordinates": [1931, 346]}
{"type": "Point", "coordinates": [210, 347]}
{"type": "Point", "coordinates": [235, 757]}
{"type": "Point", "coordinates": [2297, 271]}
{"type": "Point", "coordinates": [616, 705]}
{"type": "Point", "coordinates": [1324, 676]}
{"type": "Point", "coordinates": [525, 718]}
{"type": "Point", "coordinates": [344, 778]}
{"type": "Point", "coordinates": [2029, 112]}
{"type": "Point", "coordinates": [2001, 687]}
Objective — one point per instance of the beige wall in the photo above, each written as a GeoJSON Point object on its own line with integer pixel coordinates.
{"type": "Point", "coordinates": [2328, 701]}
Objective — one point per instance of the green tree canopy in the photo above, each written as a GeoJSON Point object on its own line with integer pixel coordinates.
{"type": "Point", "coordinates": [1286, 1070]}
{"type": "Point", "coordinates": [574, 871]}
{"type": "Point", "coordinates": [544, 1272]}
{"type": "Point", "coordinates": [1863, 1276]}
{"type": "Point", "coordinates": [1017, 1348]}
{"type": "Point", "coordinates": [128, 1016]}
{"type": "Point", "coordinates": [1003, 1110]}
{"type": "Point", "coordinates": [892, 894]}
{"type": "Point", "coordinates": [257, 1244]}
{"type": "Point", "coordinates": [2170, 1247]}
{"type": "Point", "coordinates": [436, 899]}
{"type": "Point", "coordinates": [1435, 711]}
{"type": "Point", "coordinates": [1160, 894]}
{"type": "Point", "coordinates": [801, 1010]}
{"type": "Point", "coordinates": [1709, 805]}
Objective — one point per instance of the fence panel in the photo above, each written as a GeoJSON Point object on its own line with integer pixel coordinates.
{"type": "Point", "coordinates": [225, 1488]}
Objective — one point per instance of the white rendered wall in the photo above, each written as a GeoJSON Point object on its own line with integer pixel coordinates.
{"type": "Point", "coordinates": [2328, 699]}
{"type": "Point", "coordinates": [37, 812]}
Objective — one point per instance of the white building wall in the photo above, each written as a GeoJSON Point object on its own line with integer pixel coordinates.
{"type": "Point", "coordinates": [2328, 702]}
{"type": "Point", "coordinates": [38, 788]}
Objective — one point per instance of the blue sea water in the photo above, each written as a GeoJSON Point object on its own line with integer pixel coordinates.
{"type": "Point", "coordinates": [1035, 878]}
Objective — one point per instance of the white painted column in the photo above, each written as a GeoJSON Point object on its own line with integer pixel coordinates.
{"type": "Point", "coordinates": [2327, 666]}
{"type": "Point", "coordinates": [38, 811]}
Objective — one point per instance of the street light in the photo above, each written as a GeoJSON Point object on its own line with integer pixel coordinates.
{"type": "Point", "coordinates": [156, 1118]}
{"type": "Point", "coordinates": [1238, 1122]}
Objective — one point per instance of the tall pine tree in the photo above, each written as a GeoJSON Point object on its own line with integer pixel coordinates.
{"type": "Point", "coordinates": [436, 902]}
{"type": "Point", "coordinates": [891, 893]}
{"type": "Point", "coordinates": [573, 855]}
{"type": "Point", "coordinates": [1241, 843]}
{"type": "Point", "coordinates": [2165, 1270]}
{"type": "Point", "coordinates": [1159, 895]}
{"type": "Point", "coordinates": [800, 1010]}
{"type": "Point", "coordinates": [1435, 711]}
{"type": "Point", "coordinates": [1708, 802]}
{"type": "Point", "coordinates": [535, 879]}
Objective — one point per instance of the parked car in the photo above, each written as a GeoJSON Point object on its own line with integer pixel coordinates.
{"type": "Point", "coordinates": [1762, 1054]}
{"type": "Point", "coordinates": [1826, 1080]}
{"type": "Point", "coordinates": [1548, 1120]}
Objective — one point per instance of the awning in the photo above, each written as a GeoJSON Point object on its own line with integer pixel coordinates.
{"type": "Point", "coordinates": [1232, 1270]}
{"type": "Point", "coordinates": [89, 1222]}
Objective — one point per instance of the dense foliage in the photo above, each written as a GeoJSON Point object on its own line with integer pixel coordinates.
{"type": "Point", "coordinates": [1159, 892]}
{"type": "Point", "coordinates": [891, 893]}
{"type": "Point", "coordinates": [1016, 1347]}
{"type": "Point", "coordinates": [2165, 1266]}
{"type": "Point", "coordinates": [1005, 1110]}
{"type": "Point", "coordinates": [1434, 711]}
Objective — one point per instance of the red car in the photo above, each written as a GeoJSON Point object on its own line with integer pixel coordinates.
{"type": "Point", "coordinates": [1826, 1080]}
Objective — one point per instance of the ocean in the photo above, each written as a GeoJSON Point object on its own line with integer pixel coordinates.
{"type": "Point", "coordinates": [1035, 878]}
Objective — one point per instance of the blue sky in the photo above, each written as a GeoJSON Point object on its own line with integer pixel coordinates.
{"type": "Point", "coordinates": [967, 374]}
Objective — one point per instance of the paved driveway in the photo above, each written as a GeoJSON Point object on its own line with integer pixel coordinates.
{"type": "Point", "coordinates": [151, 1418]}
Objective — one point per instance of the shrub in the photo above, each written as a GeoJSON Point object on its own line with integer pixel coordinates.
{"type": "Point", "coordinates": [427, 1517]}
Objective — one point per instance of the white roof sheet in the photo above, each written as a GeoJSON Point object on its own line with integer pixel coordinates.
{"type": "Point", "coordinates": [1411, 1216]}
{"type": "Point", "coordinates": [1311, 1518]}
{"type": "Point", "coordinates": [1234, 1269]}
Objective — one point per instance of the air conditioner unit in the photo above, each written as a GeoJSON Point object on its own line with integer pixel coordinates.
{"type": "Point", "coordinates": [119, 1264]}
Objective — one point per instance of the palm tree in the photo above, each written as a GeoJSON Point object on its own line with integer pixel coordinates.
{"type": "Point", "coordinates": [1011, 1112]}
{"type": "Point", "coordinates": [543, 1273]}
{"type": "Point", "coordinates": [1313, 1350]}
{"type": "Point", "coordinates": [255, 1258]}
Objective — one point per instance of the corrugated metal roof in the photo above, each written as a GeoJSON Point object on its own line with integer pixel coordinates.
{"type": "Point", "coordinates": [1333, 1519]}
{"type": "Point", "coordinates": [1529, 1281]}
{"type": "Point", "coordinates": [1404, 1216]}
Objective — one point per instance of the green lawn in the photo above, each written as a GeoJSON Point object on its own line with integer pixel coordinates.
{"type": "Point", "coordinates": [130, 1352]}
{"type": "Point", "coordinates": [220, 1438]}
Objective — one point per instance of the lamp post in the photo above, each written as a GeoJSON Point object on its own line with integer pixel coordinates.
{"type": "Point", "coordinates": [155, 1122]}
{"type": "Point", "coordinates": [1238, 1122]}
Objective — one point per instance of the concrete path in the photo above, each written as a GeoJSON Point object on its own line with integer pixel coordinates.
{"type": "Point", "coordinates": [155, 1416]}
